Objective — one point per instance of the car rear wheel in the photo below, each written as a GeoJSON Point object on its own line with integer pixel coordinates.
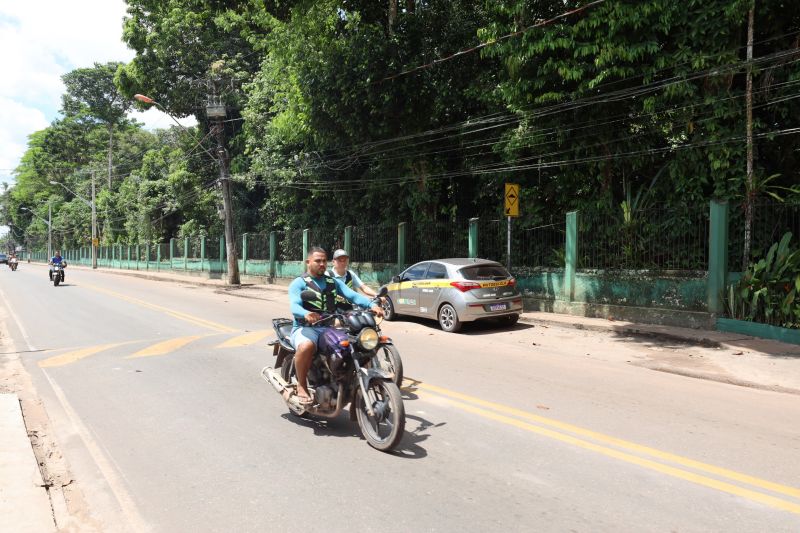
{"type": "Point", "coordinates": [508, 320]}
{"type": "Point", "coordinates": [448, 319]}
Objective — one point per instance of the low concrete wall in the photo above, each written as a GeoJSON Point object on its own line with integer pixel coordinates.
{"type": "Point", "coordinates": [668, 298]}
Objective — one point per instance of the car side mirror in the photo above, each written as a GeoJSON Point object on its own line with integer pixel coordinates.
{"type": "Point", "coordinates": [395, 279]}
{"type": "Point", "coordinates": [308, 296]}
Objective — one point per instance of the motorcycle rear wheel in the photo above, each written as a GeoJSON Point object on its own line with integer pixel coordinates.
{"type": "Point", "coordinates": [385, 430]}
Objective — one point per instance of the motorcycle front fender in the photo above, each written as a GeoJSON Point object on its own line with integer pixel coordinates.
{"type": "Point", "coordinates": [372, 373]}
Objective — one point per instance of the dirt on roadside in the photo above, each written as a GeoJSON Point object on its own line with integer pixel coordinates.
{"type": "Point", "coordinates": [70, 511]}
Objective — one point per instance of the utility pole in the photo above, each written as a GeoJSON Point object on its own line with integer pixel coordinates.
{"type": "Point", "coordinates": [94, 226]}
{"type": "Point", "coordinates": [750, 185]}
{"type": "Point", "coordinates": [215, 110]}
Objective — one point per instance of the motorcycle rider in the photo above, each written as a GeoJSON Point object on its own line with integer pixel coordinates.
{"type": "Point", "coordinates": [340, 272]}
{"type": "Point", "coordinates": [57, 260]}
{"type": "Point", "coordinates": [304, 334]}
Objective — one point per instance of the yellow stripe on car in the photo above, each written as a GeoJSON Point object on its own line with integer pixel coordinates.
{"type": "Point", "coordinates": [442, 283]}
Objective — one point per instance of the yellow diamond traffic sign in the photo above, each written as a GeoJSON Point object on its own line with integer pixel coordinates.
{"type": "Point", "coordinates": [512, 200]}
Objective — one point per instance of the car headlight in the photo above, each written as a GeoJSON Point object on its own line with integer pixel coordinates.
{"type": "Point", "coordinates": [368, 339]}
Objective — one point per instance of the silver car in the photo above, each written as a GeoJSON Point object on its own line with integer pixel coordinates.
{"type": "Point", "coordinates": [454, 291]}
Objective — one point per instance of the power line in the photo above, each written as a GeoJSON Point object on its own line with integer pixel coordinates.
{"type": "Point", "coordinates": [494, 41]}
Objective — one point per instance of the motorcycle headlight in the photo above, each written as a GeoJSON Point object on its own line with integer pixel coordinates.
{"type": "Point", "coordinates": [368, 339]}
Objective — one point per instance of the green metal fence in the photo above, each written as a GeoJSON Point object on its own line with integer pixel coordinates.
{"type": "Point", "coordinates": [655, 239]}
{"type": "Point", "coordinates": [771, 219]}
{"type": "Point", "coordinates": [678, 239]}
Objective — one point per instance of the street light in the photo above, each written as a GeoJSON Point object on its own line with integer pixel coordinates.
{"type": "Point", "coordinates": [49, 223]}
{"type": "Point", "coordinates": [94, 216]}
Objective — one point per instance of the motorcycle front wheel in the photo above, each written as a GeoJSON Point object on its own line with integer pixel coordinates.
{"type": "Point", "coordinates": [56, 280]}
{"type": "Point", "coordinates": [384, 430]}
{"type": "Point", "coordinates": [388, 359]}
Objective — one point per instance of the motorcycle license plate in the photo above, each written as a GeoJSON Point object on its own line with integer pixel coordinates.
{"type": "Point", "coordinates": [498, 307]}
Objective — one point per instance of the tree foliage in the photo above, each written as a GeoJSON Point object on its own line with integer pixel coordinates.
{"type": "Point", "coordinates": [356, 111]}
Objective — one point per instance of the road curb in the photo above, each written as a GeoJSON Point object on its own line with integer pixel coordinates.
{"type": "Point", "coordinates": [187, 280]}
{"type": "Point", "coordinates": [24, 499]}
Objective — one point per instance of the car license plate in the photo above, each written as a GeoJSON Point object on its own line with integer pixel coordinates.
{"type": "Point", "coordinates": [498, 307]}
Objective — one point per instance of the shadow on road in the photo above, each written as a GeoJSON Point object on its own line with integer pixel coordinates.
{"type": "Point", "coordinates": [480, 327]}
{"type": "Point", "coordinates": [342, 426]}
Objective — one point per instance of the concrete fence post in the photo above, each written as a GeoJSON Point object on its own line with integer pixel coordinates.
{"type": "Point", "coordinates": [348, 240]}
{"type": "Point", "coordinates": [138, 255]}
{"type": "Point", "coordinates": [401, 244]}
{"type": "Point", "coordinates": [473, 238]}
{"type": "Point", "coordinates": [129, 257]}
{"type": "Point", "coordinates": [147, 256]}
{"type": "Point", "coordinates": [186, 253]}
{"type": "Point", "coordinates": [571, 255]}
{"type": "Point", "coordinates": [717, 255]}
{"type": "Point", "coordinates": [305, 244]}
{"type": "Point", "coordinates": [158, 256]}
{"type": "Point", "coordinates": [273, 254]}
{"type": "Point", "coordinates": [171, 251]}
{"type": "Point", "coordinates": [202, 252]}
{"type": "Point", "coordinates": [244, 253]}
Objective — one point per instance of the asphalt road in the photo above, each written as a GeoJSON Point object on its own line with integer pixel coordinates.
{"type": "Point", "coordinates": [155, 395]}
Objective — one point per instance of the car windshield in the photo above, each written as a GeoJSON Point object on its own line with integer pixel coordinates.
{"type": "Point", "coordinates": [485, 272]}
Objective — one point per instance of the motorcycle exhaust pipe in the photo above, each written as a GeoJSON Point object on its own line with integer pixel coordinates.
{"type": "Point", "coordinates": [272, 377]}
{"type": "Point", "coordinates": [280, 385]}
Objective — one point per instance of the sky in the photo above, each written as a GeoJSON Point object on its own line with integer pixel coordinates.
{"type": "Point", "coordinates": [40, 41]}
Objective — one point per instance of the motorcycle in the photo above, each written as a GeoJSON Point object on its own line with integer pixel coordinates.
{"type": "Point", "coordinates": [57, 272]}
{"type": "Point", "coordinates": [341, 373]}
{"type": "Point", "coordinates": [12, 263]}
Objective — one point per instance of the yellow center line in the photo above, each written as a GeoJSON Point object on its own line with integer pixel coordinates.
{"type": "Point", "coordinates": [166, 346]}
{"type": "Point", "coordinates": [452, 396]}
{"type": "Point", "coordinates": [177, 314]}
{"type": "Point", "coordinates": [247, 339]}
{"type": "Point", "coordinates": [76, 355]}
{"type": "Point", "coordinates": [766, 499]}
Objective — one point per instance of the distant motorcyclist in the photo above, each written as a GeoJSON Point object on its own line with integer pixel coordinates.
{"type": "Point", "coordinates": [57, 260]}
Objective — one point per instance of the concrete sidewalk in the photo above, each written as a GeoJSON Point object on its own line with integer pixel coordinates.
{"type": "Point", "coordinates": [706, 354]}
{"type": "Point", "coordinates": [24, 502]}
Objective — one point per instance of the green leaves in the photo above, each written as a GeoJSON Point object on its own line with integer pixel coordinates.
{"type": "Point", "coordinates": [767, 291]}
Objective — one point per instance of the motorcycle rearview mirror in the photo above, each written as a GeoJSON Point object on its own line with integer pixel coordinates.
{"type": "Point", "coordinates": [395, 279]}
{"type": "Point", "coordinates": [308, 296]}
{"type": "Point", "coordinates": [383, 292]}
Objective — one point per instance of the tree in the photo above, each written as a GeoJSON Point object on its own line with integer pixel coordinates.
{"type": "Point", "coordinates": [646, 93]}
{"type": "Point", "coordinates": [92, 95]}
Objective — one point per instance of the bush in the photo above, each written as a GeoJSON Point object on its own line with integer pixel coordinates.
{"type": "Point", "coordinates": [767, 292]}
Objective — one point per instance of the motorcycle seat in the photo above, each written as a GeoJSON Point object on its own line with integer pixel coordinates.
{"type": "Point", "coordinates": [285, 331]}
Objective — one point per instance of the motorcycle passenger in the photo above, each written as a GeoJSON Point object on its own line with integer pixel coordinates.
{"type": "Point", "coordinates": [57, 260]}
{"type": "Point", "coordinates": [340, 272]}
{"type": "Point", "coordinates": [304, 334]}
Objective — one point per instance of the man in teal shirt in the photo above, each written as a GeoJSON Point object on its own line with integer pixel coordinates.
{"type": "Point", "coordinates": [304, 334]}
